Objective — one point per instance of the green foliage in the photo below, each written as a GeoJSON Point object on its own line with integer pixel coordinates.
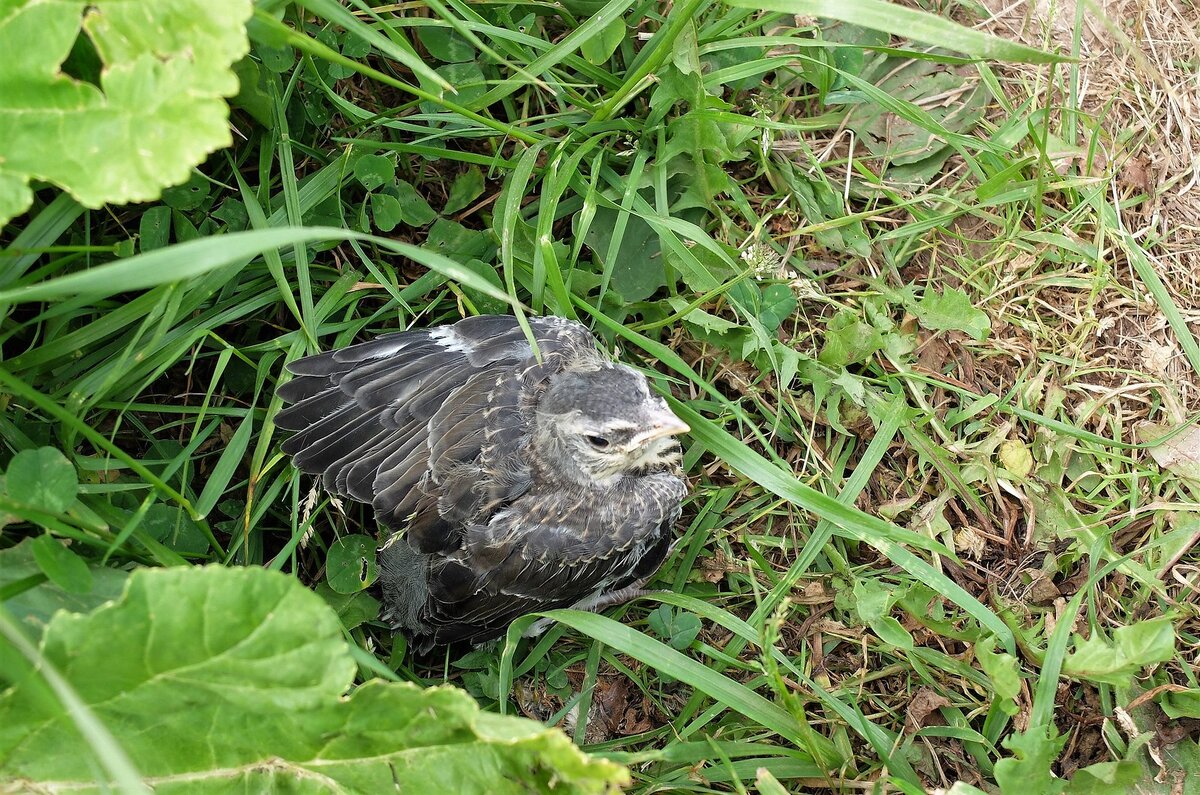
{"type": "Point", "coordinates": [678, 629]}
{"type": "Point", "coordinates": [951, 310]}
{"type": "Point", "coordinates": [34, 605]}
{"type": "Point", "coordinates": [62, 566]}
{"type": "Point", "coordinates": [860, 267]}
{"type": "Point", "coordinates": [42, 479]}
{"type": "Point", "coordinates": [1131, 649]}
{"type": "Point", "coordinates": [260, 662]}
{"type": "Point", "coordinates": [351, 565]}
{"type": "Point", "coordinates": [156, 109]}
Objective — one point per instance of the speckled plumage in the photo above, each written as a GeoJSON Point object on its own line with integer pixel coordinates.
{"type": "Point", "coordinates": [485, 466]}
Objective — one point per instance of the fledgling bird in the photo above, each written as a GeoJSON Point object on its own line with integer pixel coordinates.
{"type": "Point", "coordinates": [507, 485]}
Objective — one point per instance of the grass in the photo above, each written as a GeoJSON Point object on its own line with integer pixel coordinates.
{"type": "Point", "coordinates": [908, 339]}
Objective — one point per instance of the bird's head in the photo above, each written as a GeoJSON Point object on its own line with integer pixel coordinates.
{"type": "Point", "coordinates": [596, 425]}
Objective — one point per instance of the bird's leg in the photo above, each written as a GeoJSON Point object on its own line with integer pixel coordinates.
{"type": "Point", "coordinates": [596, 603]}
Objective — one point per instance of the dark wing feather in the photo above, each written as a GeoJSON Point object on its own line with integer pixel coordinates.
{"type": "Point", "coordinates": [548, 551]}
{"type": "Point", "coordinates": [388, 420]}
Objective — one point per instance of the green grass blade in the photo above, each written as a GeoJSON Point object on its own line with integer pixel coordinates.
{"type": "Point", "coordinates": [884, 536]}
{"type": "Point", "coordinates": [909, 23]}
{"type": "Point", "coordinates": [663, 658]}
{"type": "Point", "coordinates": [198, 257]}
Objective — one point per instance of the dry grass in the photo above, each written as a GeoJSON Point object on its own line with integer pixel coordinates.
{"type": "Point", "coordinates": [1136, 91]}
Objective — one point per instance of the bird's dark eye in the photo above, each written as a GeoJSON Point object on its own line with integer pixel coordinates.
{"type": "Point", "coordinates": [599, 442]}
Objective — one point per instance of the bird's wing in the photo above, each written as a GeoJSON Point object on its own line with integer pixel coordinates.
{"type": "Point", "coordinates": [550, 551]}
{"type": "Point", "coordinates": [408, 421]}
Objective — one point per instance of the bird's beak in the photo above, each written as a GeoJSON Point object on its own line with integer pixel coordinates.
{"type": "Point", "coordinates": [661, 424]}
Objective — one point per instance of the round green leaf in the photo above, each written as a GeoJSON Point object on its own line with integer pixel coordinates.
{"type": "Point", "coordinates": [189, 195]}
{"type": "Point", "coordinates": [353, 609]}
{"type": "Point", "coordinates": [468, 80]}
{"type": "Point", "coordinates": [413, 208]}
{"type": "Point", "coordinates": [277, 59]}
{"type": "Point", "coordinates": [43, 479]}
{"type": "Point", "coordinates": [678, 629]}
{"type": "Point", "coordinates": [374, 171]}
{"type": "Point", "coordinates": [446, 44]}
{"type": "Point", "coordinates": [778, 304]}
{"type": "Point", "coordinates": [171, 526]}
{"type": "Point", "coordinates": [351, 565]}
{"type": "Point", "coordinates": [64, 568]}
{"type": "Point", "coordinates": [386, 211]}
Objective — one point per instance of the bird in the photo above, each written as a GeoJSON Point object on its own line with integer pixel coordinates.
{"type": "Point", "coordinates": [510, 472]}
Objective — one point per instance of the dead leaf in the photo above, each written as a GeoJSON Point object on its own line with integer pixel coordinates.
{"type": "Point", "coordinates": [815, 593]}
{"type": "Point", "coordinates": [923, 709]}
{"type": "Point", "coordinates": [1179, 452]}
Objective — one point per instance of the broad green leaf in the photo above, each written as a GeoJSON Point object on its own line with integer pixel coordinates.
{"type": "Point", "coordinates": [1109, 778]}
{"type": "Point", "coordinates": [171, 526]}
{"type": "Point", "coordinates": [904, 141]}
{"type": "Point", "coordinates": [486, 305]}
{"type": "Point", "coordinates": [637, 268]}
{"type": "Point", "coordinates": [43, 479]}
{"type": "Point", "coordinates": [951, 310]}
{"type": "Point", "coordinates": [778, 304]}
{"type": "Point", "coordinates": [1184, 704]}
{"type": "Point", "coordinates": [821, 201]}
{"type": "Point", "coordinates": [446, 44]}
{"type": "Point", "coordinates": [351, 564]}
{"type": "Point", "coordinates": [154, 228]}
{"type": "Point", "coordinates": [697, 136]}
{"type": "Point", "coordinates": [64, 568]}
{"type": "Point", "coordinates": [353, 609]}
{"type": "Point", "coordinates": [467, 79]}
{"type": "Point", "coordinates": [873, 603]}
{"type": "Point", "coordinates": [159, 109]}
{"type": "Point", "coordinates": [189, 195]}
{"type": "Point", "coordinates": [849, 340]}
{"type": "Point", "coordinates": [1131, 649]}
{"type": "Point", "coordinates": [452, 239]}
{"type": "Point", "coordinates": [218, 679]}
{"type": "Point", "coordinates": [276, 59]}
{"type": "Point", "coordinates": [600, 48]}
